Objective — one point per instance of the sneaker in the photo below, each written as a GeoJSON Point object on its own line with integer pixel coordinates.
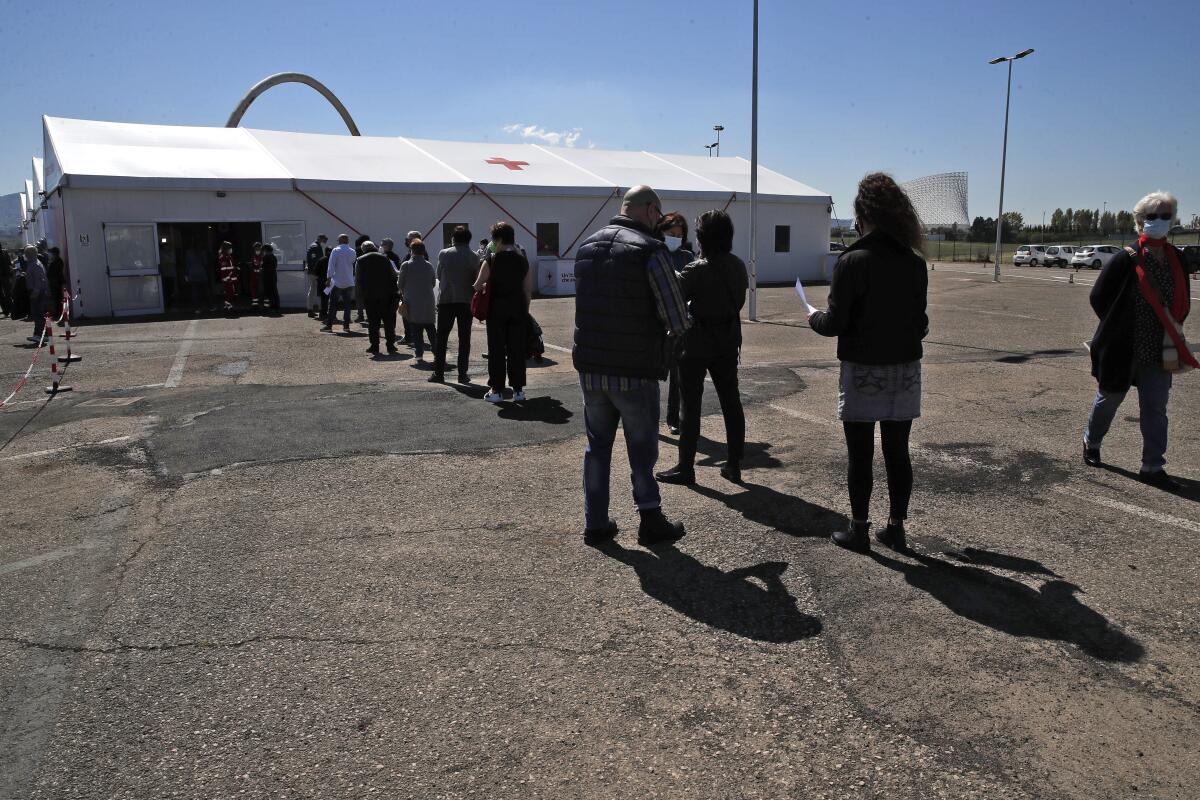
{"type": "Point", "coordinates": [494, 397]}
{"type": "Point", "coordinates": [854, 538]}
{"type": "Point", "coordinates": [892, 537]}
{"type": "Point", "coordinates": [655, 528]}
{"type": "Point", "coordinates": [327, 328]}
{"type": "Point", "coordinates": [679, 474]}
{"type": "Point", "coordinates": [674, 429]}
{"type": "Point", "coordinates": [1091, 456]}
{"type": "Point", "coordinates": [605, 533]}
{"type": "Point", "coordinates": [1160, 480]}
{"type": "Point", "coordinates": [519, 396]}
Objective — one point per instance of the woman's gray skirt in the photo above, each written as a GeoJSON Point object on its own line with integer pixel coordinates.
{"type": "Point", "coordinates": [879, 392]}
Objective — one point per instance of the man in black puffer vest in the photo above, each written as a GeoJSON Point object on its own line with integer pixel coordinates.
{"type": "Point", "coordinates": [627, 304]}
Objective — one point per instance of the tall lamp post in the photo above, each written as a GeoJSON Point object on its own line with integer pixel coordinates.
{"type": "Point", "coordinates": [717, 144]}
{"type": "Point", "coordinates": [754, 174]}
{"type": "Point", "coordinates": [1004, 152]}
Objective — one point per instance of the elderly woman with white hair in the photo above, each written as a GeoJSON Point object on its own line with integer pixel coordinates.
{"type": "Point", "coordinates": [1142, 298]}
{"type": "Point", "coordinates": [38, 287]}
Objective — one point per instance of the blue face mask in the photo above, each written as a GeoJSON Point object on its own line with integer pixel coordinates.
{"type": "Point", "coordinates": [1156, 228]}
{"type": "Point", "coordinates": [673, 242]}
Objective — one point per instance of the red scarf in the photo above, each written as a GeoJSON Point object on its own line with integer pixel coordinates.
{"type": "Point", "coordinates": [1181, 302]}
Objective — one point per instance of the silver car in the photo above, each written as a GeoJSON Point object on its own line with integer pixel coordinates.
{"type": "Point", "coordinates": [1095, 256]}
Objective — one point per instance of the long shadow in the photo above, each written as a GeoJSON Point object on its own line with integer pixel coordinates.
{"type": "Point", "coordinates": [784, 512]}
{"type": "Point", "coordinates": [1021, 358]}
{"type": "Point", "coordinates": [757, 454]}
{"type": "Point", "coordinates": [989, 558]}
{"type": "Point", "coordinates": [1189, 489]}
{"type": "Point", "coordinates": [475, 391]}
{"type": "Point", "coordinates": [761, 609]}
{"type": "Point", "coordinates": [537, 409]}
{"type": "Point", "coordinates": [1003, 604]}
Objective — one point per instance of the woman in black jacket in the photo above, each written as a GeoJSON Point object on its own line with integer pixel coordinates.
{"type": "Point", "coordinates": [270, 278]}
{"type": "Point", "coordinates": [505, 274]}
{"type": "Point", "coordinates": [715, 290]}
{"type": "Point", "coordinates": [1140, 288]}
{"type": "Point", "coordinates": [673, 229]}
{"type": "Point", "coordinates": [877, 311]}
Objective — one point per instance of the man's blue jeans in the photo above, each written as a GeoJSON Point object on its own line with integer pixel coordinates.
{"type": "Point", "coordinates": [344, 296]}
{"type": "Point", "coordinates": [1154, 388]}
{"type": "Point", "coordinates": [637, 411]}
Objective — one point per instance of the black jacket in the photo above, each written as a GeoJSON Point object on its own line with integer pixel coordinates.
{"type": "Point", "coordinates": [1112, 299]}
{"type": "Point", "coordinates": [877, 303]}
{"type": "Point", "coordinates": [617, 329]}
{"type": "Point", "coordinates": [376, 276]}
{"type": "Point", "coordinates": [715, 290]}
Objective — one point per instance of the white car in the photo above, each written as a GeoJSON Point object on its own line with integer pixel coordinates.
{"type": "Point", "coordinates": [1060, 254]}
{"type": "Point", "coordinates": [1095, 256]}
{"type": "Point", "coordinates": [1032, 254]}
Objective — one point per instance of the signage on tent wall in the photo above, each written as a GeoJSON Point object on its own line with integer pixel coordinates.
{"type": "Point", "coordinates": [85, 240]}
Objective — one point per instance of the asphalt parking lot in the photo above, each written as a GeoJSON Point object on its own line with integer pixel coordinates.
{"type": "Point", "coordinates": [243, 558]}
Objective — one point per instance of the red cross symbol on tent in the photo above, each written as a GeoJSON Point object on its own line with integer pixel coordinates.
{"type": "Point", "coordinates": [513, 165]}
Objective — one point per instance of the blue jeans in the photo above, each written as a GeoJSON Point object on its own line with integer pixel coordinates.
{"type": "Point", "coordinates": [1154, 388]}
{"type": "Point", "coordinates": [637, 411]}
{"type": "Point", "coordinates": [345, 296]}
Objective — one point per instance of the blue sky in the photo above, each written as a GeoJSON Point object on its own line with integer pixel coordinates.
{"type": "Point", "coordinates": [1105, 110]}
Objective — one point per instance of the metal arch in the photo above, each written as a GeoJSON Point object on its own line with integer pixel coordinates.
{"type": "Point", "coordinates": [235, 118]}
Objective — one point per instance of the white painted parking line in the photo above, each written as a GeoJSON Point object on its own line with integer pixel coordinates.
{"type": "Point", "coordinates": [1130, 508]}
{"type": "Point", "coordinates": [556, 347]}
{"type": "Point", "coordinates": [54, 450]}
{"type": "Point", "coordinates": [1051, 279]}
{"type": "Point", "coordinates": [53, 555]}
{"type": "Point", "coordinates": [175, 376]}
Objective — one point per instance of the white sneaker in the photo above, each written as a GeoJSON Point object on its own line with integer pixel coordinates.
{"type": "Point", "coordinates": [518, 396]}
{"type": "Point", "coordinates": [494, 397]}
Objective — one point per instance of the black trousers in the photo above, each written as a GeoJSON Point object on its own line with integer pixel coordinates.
{"type": "Point", "coordinates": [507, 340]}
{"type": "Point", "coordinates": [860, 442]}
{"type": "Point", "coordinates": [381, 311]}
{"type": "Point", "coordinates": [691, 390]}
{"type": "Point", "coordinates": [447, 315]}
{"type": "Point", "coordinates": [673, 395]}
{"type": "Point", "coordinates": [270, 289]}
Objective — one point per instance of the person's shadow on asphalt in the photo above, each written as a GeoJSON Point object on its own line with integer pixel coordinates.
{"type": "Point", "coordinates": [536, 409]}
{"type": "Point", "coordinates": [785, 513]}
{"type": "Point", "coordinates": [751, 602]}
{"type": "Point", "coordinates": [1052, 612]}
{"type": "Point", "coordinates": [1188, 488]}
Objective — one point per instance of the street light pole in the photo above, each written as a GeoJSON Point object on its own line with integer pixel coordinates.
{"type": "Point", "coordinates": [754, 174]}
{"type": "Point", "coordinates": [1004, 154]}
{"type": "Point", "coordinates": [718, 129]}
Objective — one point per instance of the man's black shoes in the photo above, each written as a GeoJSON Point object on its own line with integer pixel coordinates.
{"type": "Point", "coordinates": [655, 528]}
{"type": "Point", "coordinates": [596, 536]}
{"type": "Point", "coordinates": [732, 472]}
{"type": "Point", "coordinates": [436, 378]}
{"type": "Point", "coordinates": [679, 475]}
{"type": "Point", "coordinates": [1091, 456]}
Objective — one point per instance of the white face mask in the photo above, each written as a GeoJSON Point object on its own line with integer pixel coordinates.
{"type": "Point", "coordinates": [673, 242]}
{"type": "Point", "coordinates": [1156, 228]}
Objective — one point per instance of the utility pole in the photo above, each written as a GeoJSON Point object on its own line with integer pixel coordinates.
{"type": "Point", "coordinates": [1004, 153]}
{"type": "Point", "coordinates": [754, 174]}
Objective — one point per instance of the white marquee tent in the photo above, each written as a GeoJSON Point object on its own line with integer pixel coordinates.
{"type": "Point", "coordinates": [125, 199]}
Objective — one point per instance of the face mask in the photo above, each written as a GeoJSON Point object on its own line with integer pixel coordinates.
{"type": "Point", "coordinates": [673, 242]}
{"type": "Point", "coordinates": [1156, 228]}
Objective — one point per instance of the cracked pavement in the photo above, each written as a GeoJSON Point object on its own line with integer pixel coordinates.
{"type": "Point", "coordinates": [317, 575]}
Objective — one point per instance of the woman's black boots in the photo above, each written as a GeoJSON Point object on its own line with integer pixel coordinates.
{"type": "Point", "coordinates": [855, 538]}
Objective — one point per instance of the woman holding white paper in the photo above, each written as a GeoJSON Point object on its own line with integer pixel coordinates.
{"type": "Point", "coordinates": [877, 312]}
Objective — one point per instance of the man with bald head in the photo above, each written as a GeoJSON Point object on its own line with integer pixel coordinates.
{"type": "Point", "coordinates": [627, 305]}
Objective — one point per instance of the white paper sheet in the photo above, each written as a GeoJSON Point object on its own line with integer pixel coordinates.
{"type": "Point", "coordinates": [329, 290]}
{"type": "Point", "coordinates": [803, 299]}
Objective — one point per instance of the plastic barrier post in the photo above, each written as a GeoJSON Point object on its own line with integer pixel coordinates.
{"type": "Point", "coordinates": [68, 358]}
{"type": "Point", "coordinates": [55, 377]}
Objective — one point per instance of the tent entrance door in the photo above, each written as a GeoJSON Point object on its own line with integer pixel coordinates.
{"type": "Point", "coordinates": [181, 242]}
{"type": "Point", "coordinates": [131, 255]}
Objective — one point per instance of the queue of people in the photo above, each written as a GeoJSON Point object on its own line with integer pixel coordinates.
{"type": "Point", "coordinates": [31, 284]}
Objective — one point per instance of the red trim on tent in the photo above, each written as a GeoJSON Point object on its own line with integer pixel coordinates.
{"type": "Point", "coordinates": [317, 203]}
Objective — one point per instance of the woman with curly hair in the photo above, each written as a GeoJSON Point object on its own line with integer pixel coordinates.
{"type": "Point", "coordinates": [877, 312]}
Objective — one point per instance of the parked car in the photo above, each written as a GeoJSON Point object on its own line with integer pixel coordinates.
{"type": "Point", "coordinates": [1032, 254]}
{"type": "Point", "coordinates": [1059, 254]}
{"type": "Point", "coordinates": [1094, 256]}
{"type": "Point", "coordinates": [1191, 257]}
{"type": "Point", "coordinates": [836, 247]}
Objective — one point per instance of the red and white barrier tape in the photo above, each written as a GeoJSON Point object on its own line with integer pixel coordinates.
{"type": "Point", "coordinates": [25, 378]}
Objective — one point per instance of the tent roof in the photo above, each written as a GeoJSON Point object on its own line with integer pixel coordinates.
{"type": "Point", "coordinates": [127, 155]}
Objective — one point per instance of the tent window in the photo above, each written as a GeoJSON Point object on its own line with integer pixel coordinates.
{"type": "Point", "coordinates": [130, 248]}
{"type": "Point", "coordinates": [547, 234]}
{"type": "Point", "coordinates": [288, 241]}
{"type": "Point", "coordinates": [783, 238]}
{"type": "Point", "coordinates": [448, 234]}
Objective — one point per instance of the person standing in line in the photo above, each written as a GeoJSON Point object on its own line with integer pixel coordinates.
{"type": "Point", "coordinates": [321, 271]}
{"type": "Point", "coordinates": [1142, 296]}
{"type": "Point", "coordinates": [377, 278]}
{"type": "Point", "coordinates": [507, 277]}
{"type": "Point", "coordinates": [877, 312]}
{"type": "Point", "coordinates": [39, 291]}
{"type": "Point", "coordinates": [228, 272]}
{"type": "Point", "coordinates": [341, 282]}
{"type": "Point", "coordinates": [358, 295]}
{"type": "Point", "coordinates": [715, 289]}
{"type": "Point", "coordinates": [416, 292]}
{"type": "Point", "coordinates": [269, 267]}
{"type": "Point", "coordinates": [388, 248]}
{"type": "Point", "coordinates": [195, 274]}
{"type": "Point", "coordinates": [482, 252]}
{"type": "Point", "coordinates": [254, 276]}
{"type": "Point", "coordinates": [627, 306]}
{"type": "Point", "coordinates": [409, 238]}
{"type": "Point", "coordinates": [312, 285]}
{"type": "Point", "coordinates": [457, 267]}
{"type": "Point", "coordinates": [673, 229]}
{"type": "Point", "coordinates": [5, 283]}
{"type": "Point", "coordinates": [56, 277]}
